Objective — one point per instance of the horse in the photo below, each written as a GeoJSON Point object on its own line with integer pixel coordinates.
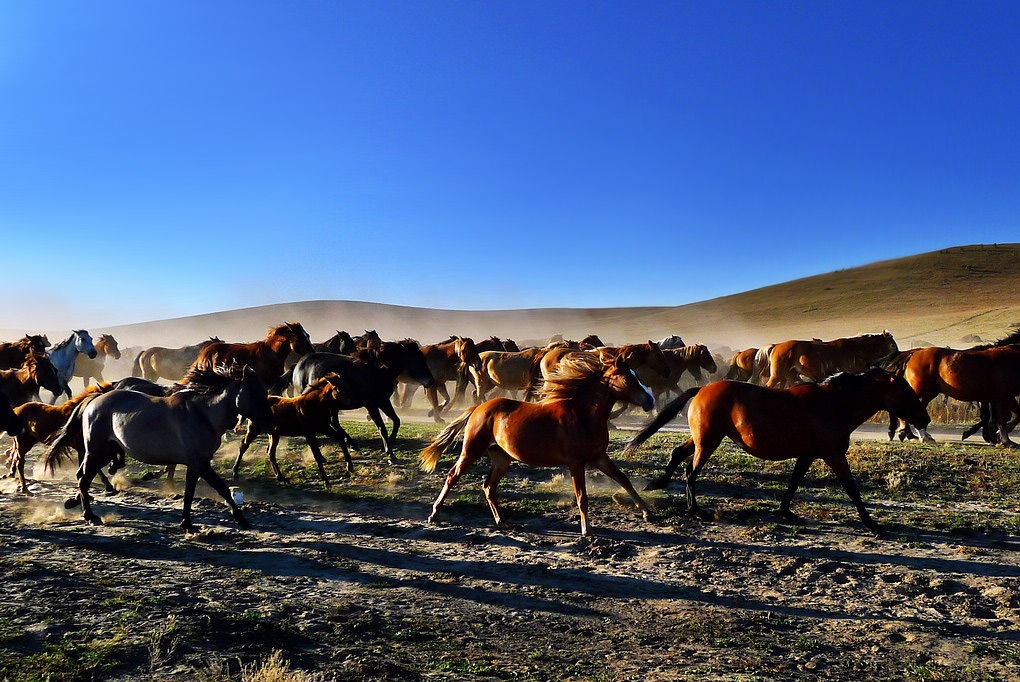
{"type": "Point", "coordinates": [988, 373]}
{"type": "Point", "coordinates": [89, 368]}
{"type": "Point", "coordinates": [805, 422]}
{"type": "Point", "coordinates": [671, 341]}
{"type": "Point", "coordinates": [370, 339]}
{"type": "Point", "coordinates": [444, 360]}
{"type": "Point", "coordinates": [305, 415]}
{"type": "Point", "coordinates": [23, 384]}
{"type": "Point", "coordinates": [469, 374]}
{"type": "Point", "coordinates": [267, 357]}
{"type": "Point", "coordinates": [367, 380]}
{"type": "Point", "coordinates": [340, 343]}
{"type": "Point", "coordinates": [590, 342]}
{"type": "Point", "coordinates": [42, 422]}
{"type": "Point", "coordinates": [158, 362]}
{"type": "Point", "coordinates": [64, 354]}
{"type": "Point", "coordinates": [506, 370]}
{"type": "Point", "coordinates": [183, 428]}
{"type": "Point", "coordinates": [9, 421]}
{"type": "Point", "coordinates": [14, 353]}
{"type": "Point", "coordinates": [638, 356]}
{"type": "Point", "coordinates": [568, 427]}
{"type": "Point", "coordinates": [742, 365]}
{"type": "Point", "coordinates": [814, 360]}
{"type": "Point", "coordinates": [691, 359]}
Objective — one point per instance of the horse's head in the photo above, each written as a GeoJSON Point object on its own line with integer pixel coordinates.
{"type": "Point", "coordinates": [467, 352]}
{"type": "Point", "coordinates": [704, 358]}
{"type": "Point", "coordinates": [415, 364]}
{"type": "Point", "coordinates": [252, 401]}
{"type": "Point", "coordinates": [108, 345]}
{"type": "Point", "coordinates": [297, 338]}
{"type": "Point", "coordinates": [369, 339]}
{"type": "Point", "coordinates": [590, 342]}
{"type": "Point", "coordinates": [648, 354]}
{"type": "Point", "coordinates": [36, 343]}
{"type": "Point", "coordinates": [625, 385]}
{"type": "Point", "coordinates": [42, 371]}
{"type": "Point", "coordinates": [899, 399]}
{"type": "Point", "coordinates": [83, 343]}
{"type": "Point", "coordinates": [511, 346]}
{"type": "Point", "coordinates": [332, 388]}
{"type": "Point", "coordinates": [9, 421]}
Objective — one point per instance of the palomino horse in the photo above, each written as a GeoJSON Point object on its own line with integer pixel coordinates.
{"type": "Point", "coordinates": [509, 371]}
{"type": "Point", "coordinates": [158, 362]}
{"type": "Point", "coordinates": [367, 379]}
{"type": "Point", "coordinates": [791, 361]}
{"type": "Point", "coordinates": [806, 422]}
{"type": "Point", "coordinates": [742, 365]}
{"type": "Point", "coordinates": [469, 374]}
{"type": "Point", "coordinates": [444, 360]}
{"type": "Point", "coordinates": [568, 427]}
{"type": "Point", "coordinates": [184, 428]}
{"type": "Point", "coordinates": [14, 353]}
{"type": "Point", "coordinates": [691, 359]}
{"type": "Point", "coordinates": [64, 354]}
{"type": "Point", "coordinates": [23, 384]}
{"type": "Point", "coordinates": [989, 373]}
{"type": "Point", "coordinates": [92, 368]}
{"type": "Point", "coordinates": [266, 357]}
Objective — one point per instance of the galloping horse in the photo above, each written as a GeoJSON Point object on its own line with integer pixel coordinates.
{"type": "Point", "coordinates": [14, 353]}
{"type": "Point", "coordinates": [806, 422]}
{"type": "Point", "coordinates": [64, 354]}
{"type": "Point", "coordinates": [468, 374]}
{"type": "Point", "coordinates": [691, 359]}
{"type": "Point", "coordinates": [168, 363]}
{"type": "Point", "coordinates": [568, 427]}
{"type": "Point", "coordinates": [89, 368]}
{"type": "Point", "coordinates": [989, 373]}
{"type": "Point", "coordinates": [813, 360]}
{"type": "Point", "coordinates": [742, 365]}
{"type": "Point", "coordinates": [640, 355]}
{"type": "Point", "coordinates": [340, 343]}
{"type": "Point", "coordinates": [367, 379]}
{"type": "Point", "coordinates": [23, 384]}
{"type": "Point", "coordinates": [444, 360]}
{"type": "Point", "coordinates": [370, 339]}
{"type": "Point", "coordinates": [509, 371]}
{"type": "Point", "coordinates": [266, 357]}
{"type": "Point", "coordinates": [184, 428]}
{"type": "Point", "coordinates": [590, 342]}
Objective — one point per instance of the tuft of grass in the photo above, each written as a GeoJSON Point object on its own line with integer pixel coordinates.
{"type": "Point", "coordinates": [275, 668]}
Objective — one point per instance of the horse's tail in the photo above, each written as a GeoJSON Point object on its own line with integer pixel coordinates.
{"type": "Point", "coordinates": [666, 415]}
{"type": "Point", "coordinates": [429, 457]}
{"type": "Point", "coordinates": [64, 442]}
{"type": "Point", "coordinates": [898, 363]}
{"type": "Point", "coordinates": [136, 366]}
{"type": "Point", "coordinates": [535, 375]}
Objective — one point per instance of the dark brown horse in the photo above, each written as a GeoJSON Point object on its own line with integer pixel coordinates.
{"type": "Point", "coordinates": [92, 368]}
{"type": "Point", "coordinates": [793, 361]}
{"type": "Point", "coordinates": [14, 353]}
{"type": "Point", "coordinates": [806, 422]}
{"type": "Point", "coordinates": [158, 362]}
{"type": "Point", "coordinates": [691, 359]}
{"type": "Point", "coordinates": [267, 357]}
{"type": "Point", "coordinates": [22, 385]}
{"type": "Point", "coordinates": [568, 427]}
{"type": "Point", "coordinates": [340, 343]}
{"type": "Point", "coordinates": [444, 361]}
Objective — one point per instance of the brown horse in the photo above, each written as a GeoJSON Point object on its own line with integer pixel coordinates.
{"type": "Point", "coordinates": [642, 355]}
{"type": "Point", "coordinates": [341, 343]}
{"type": "Point", "coordinates": [469, 374]}
{"type": "Point", "coordinates": [305, 415]}
{"type": "Point", "coordinates": [989, 373]}
{"type": "Point", "coordinates": [23, 384]}
{"type": "Point", "coordinates": [92, 368]}
{"type": "Point", "coordinates": [569, 427]}
{"type": "Point", "coordinates": [14, 353]}
{"type": "Point", "coordinates": [793, 361]}
{"type": "Point", "coordinates": [509, 371]}
{"type": "Point", "coordinates": [168, 363]}
{"type": "Point", "coordinates": [42, 422]}
{"type": "Point", "coordinates": [691, 359]}
{"type": "Point", "coordinates": [742, 365]}
{"type": "Point", "coordinates": [806, 422]}
{"type": "Point", "coordinates": [267, 357]}
{"type": "Point", "coordinates": [444, 362]}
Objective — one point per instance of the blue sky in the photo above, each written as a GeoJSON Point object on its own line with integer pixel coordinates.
{"type": "Point", "coordinates": [170, 158]}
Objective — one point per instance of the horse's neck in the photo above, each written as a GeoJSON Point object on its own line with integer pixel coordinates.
{"type": "Point", "coordinates": [856, 406]}
{"type": "Point", "coordinates": [276, 347]}
{"type": "Point", "coordinates": [218, 409]}
{"type": "Point", "coordinates": [595, 404]}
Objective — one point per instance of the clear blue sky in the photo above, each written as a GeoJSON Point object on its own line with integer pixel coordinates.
{"type": "Point", "coordinates": [169, 158]}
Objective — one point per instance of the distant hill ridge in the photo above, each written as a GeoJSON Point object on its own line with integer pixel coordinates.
{"type": "Point", "coordinates": [940, 297]}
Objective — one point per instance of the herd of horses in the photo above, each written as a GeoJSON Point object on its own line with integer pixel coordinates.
{"type": "Point", "coordinates": [798, 399]}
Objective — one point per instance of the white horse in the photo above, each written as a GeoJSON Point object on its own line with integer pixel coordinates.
{"type": "Point", "coordinates": [63, 355]}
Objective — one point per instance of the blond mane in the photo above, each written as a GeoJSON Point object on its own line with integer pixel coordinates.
{"type": "Point", "coordinates": [572, 374]}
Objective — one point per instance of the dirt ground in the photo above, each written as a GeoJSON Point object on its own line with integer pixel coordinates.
{"type": "Point", "coordinates": [351, 583]}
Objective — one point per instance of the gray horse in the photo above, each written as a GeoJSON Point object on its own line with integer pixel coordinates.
{"type": "Point", "coordinates": [183, 428]}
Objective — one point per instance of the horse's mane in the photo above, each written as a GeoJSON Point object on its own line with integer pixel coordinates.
{"type": "Point", "coordinates": [205, 381]}
{"type": "Point", "coordinates": [63, 344]}
{"type": "Point", "coordinates": [452, 338]}
{"type": "Point", "coordinates": [102, 387]}
{"type": "Point", "coordinates": [849, 379]}
{"type": "Point", "coordinates": [1012, 339]}
{"type": "Point", "coordinates": [572, 375]}
{"type": "Point", "coordinates": [687, 352]}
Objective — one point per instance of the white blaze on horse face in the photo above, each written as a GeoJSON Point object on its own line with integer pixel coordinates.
{"type": "Point", "coordinates": [644, 388]}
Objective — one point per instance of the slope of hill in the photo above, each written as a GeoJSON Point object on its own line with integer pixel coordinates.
{"type": "Point", "coordinates": [941, 297]}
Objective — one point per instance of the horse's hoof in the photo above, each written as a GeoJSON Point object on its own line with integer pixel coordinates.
{"type": "Point", "coordinates": [393, 461]}
{"type": "Point", "coordinates": [93, 520]}
{"type": "Point", "coordinates": [790, 517]}
{"type": "Point", "coordinates": [72, 502]}
{"type": "Point", "coordinates": [657, 484]}
{"type": "Point", "coordinates": [189, 527]}
{"type": "Point", "coordinates": [242, 523]}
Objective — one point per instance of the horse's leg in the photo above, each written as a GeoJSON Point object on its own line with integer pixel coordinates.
{"type": "Point", "coordinates": [1002, 409]}
{"type": "Point", "coordinates": [441, 389]}
{"type": "Point", "coordinates": [171, 469]}
{"type": "Point", "coordinates": [800, 468]}
{"type": "Point", "coordinates": [206, 471]}
{"type": "Point", "coordinates": [373, 413]}
{"type": "Point", "coordinates": [581, 491]}
{"type": "Point", "coordinates": [190, 481]}
{"type": "Point", "coordinates": [893, 423]}
{"type": "Point", "coordinates": [249, 436]}
{"type": "Point", "coordinates": [609, 468]}
{"type": "Point", "coordinates": [387, 409]}
{"type": "Point", "coordinates": [317, 454]}
{"type": "Point", "coordinates": [841, 468]}
{"type": "Point", "coordinates": [337, 433]}
{"type": "Point", "coordinates": [274, 440]}
{"type": "Point", "coordinates": [471, 451]}
{"type": "Point", "coordinates": [86, 472]}
{"type": "Point", "coordinates": [500, 463]}
{"type": "Point", "coordinates": [676, 458]}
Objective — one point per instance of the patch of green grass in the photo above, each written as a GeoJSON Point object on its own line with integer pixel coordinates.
{"type": "Point", "coordinates": [75, 657]}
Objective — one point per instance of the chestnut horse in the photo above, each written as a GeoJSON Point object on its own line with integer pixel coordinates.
{"type": "Point", "coordinates": [23, 384]}
{"type": "Point", "coordinates": [639, 355]}
{"type": "Point", "coordinates": [568, 427]}
{"type": "Point", "coordinates": [444, 361]}
{"type": "Point", "coordinates": [14, 353]}
{"type": "Point", "coordinates": [266, 357]}
{"type": "Point", "coordinates": [92, 368]}
{"type": "Point", "coordinates": [168, 363]}
{"type": "Point", "coordinates": [806, 422]}
{"type": "Point", "coordinates": [791, 361]}
{"type": "Point", "coordinates": [742, 365]}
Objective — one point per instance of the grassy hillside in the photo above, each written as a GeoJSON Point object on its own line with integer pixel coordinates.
{"type": "Point", "coordinates": [942, 297]}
